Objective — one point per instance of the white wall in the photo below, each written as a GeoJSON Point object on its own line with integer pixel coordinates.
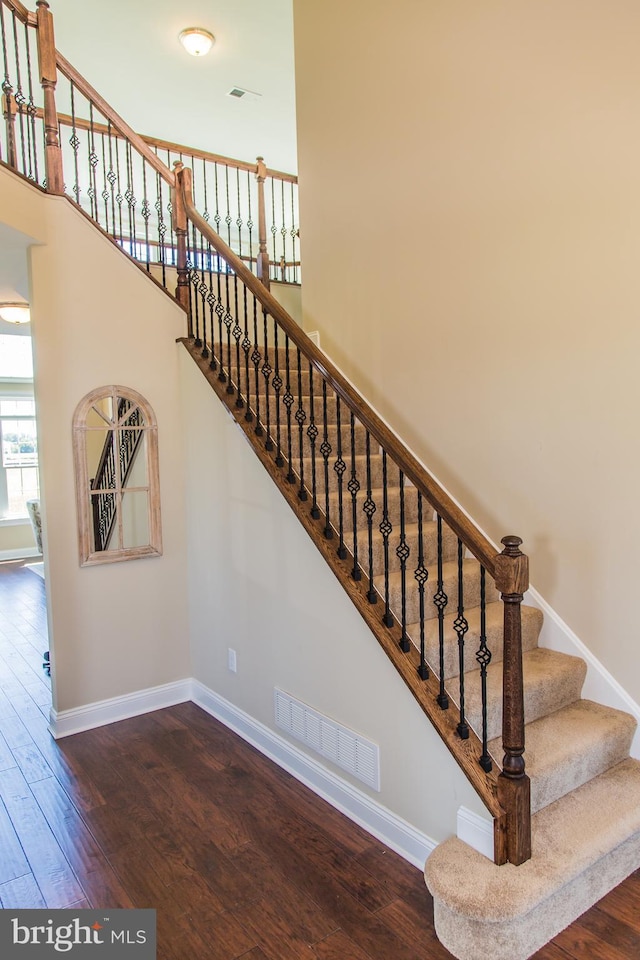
{"type": "Point", "coordinates": [257, 584]}
{"type": "Point", "coordinates": [489, 153]}
{"type": "Point", "coordinates": [120, 627]}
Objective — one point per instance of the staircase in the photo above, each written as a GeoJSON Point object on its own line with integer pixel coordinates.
{"type": "Point", "coordinates": [443, 604]}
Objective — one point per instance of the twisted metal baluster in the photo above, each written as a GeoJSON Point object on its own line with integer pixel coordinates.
{"type": "Point", "coordinates": [301, 419]}
{"type": "Point", "coordinates": [403, 551]}
{"type": "Point", "coordinates": [74, 141]}
{"type": "Point", "coordinates": [203, 290]}
{"type": "Point", "coordinates": [312, 433]}
{"type": "Point", "coordinates": [250, 223]}
{"type": "Point", "coordinates": [386, 529]}
{"type": "Point", "coordinates": [353, 487]}
{"type": "Point", "coordinates": [276, 383]}
{"type": "Point", "coordinates": [274, 229]}
{"type": "Point", "coordinates": [369, 508]}
{"type": "Point", "coordinates": [441, 600]}
{"type": "Point", "coordinates": [237, 336]}
{"type": "Point", "coordinates": [211, 300]}
{"type": "Point", "coordinates": [325, 450]}
{"type": "Point", "coordinates": [130, 197]}
{"type": "Point", "coordinates": [283, 233]}
{"type": "Point", "coordinates": [461, 626]}
{"type": "Point", "coordinates": [266, 372]}
{"type": "Point", "coordinates": [294, 233]}
{"type": "Point", "coordinates": [119, 194]}
{"type": "Point", "coordinates": [246, 347]}
{"type": "Point", "coordinates": [31, 107]}
{"type": "Point", "coordinates": [194, 278]}
{"type": "Point", "coordinates": [483, 656]}
{"type": "Point", "coordinates": [255, 359]}
{"type": "Point", "coordinates": [421, 574]}
{"type": "Point", "coordinates": [105, 190]}
{"type": "Point", "coordinates": [239, 221]}
{"type": "Point", "coordinates": [19, 97]}
{"type": "Point", "coordinates": [339, 468]}
{"type": "Point", "coordinates": [7, 89]}
{"type": "Point", "coordinates": [288, 400]}
{"type": "Point", "coordinates": [93, 161]}
{"type": "Point", "coordinates": [228, 319]}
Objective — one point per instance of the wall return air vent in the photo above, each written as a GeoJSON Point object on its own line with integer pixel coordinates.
{"type": "Point", "coordinates": [348, 750]}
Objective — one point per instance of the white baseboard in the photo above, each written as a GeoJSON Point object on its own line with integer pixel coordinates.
{"type": "Point", "coordinates": [67, 722]}
{"type": "Point", "coordinates": [386, 826]}
{"type": "Point", "coordinates": [599, 684]}
{"type": "Point", "coordinates": [21, 553]}
{"type": "Point", "coordinates": [475, 830]}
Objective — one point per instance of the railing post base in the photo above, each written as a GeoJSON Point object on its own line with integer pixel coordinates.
{"type": "Point", "coordinates": [515, 799]}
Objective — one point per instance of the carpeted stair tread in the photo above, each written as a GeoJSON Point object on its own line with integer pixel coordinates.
{"type": "Point", "coordinates": [551, 681]}
{"type": "Point", "coordinates": [531, 626]}
{"type": "Point", "coordinates": [471, 588]}
{"type": "Point", "coordinates": [583, 845]}
{"type": "Point", "coordinates": [570, 746]}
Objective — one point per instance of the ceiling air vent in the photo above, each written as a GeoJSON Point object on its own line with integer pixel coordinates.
{"type": "Point", "coordinates": [241, 94]}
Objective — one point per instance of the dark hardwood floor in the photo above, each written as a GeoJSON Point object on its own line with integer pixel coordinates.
{"type": "Point", "coordinates": [172, 811]}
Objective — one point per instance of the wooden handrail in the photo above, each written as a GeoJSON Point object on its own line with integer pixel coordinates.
{"type": "Point", "coordinates": [482, 548]}
{"type": "Point", "coordinates": [21, 12]}
{"type": "Point", "coordinates": [193, 152]}
{"type": "Point", "coordinates": [134, 139]}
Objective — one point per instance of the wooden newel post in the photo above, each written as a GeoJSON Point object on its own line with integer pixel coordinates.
{"type": "Point", "coordinates": [512, 580]}
{"type": "Point", "coordinates": [9, 108]}
{"type": "Point", "coordinates": [183, 183]}
{"type": "Point", "coordinates": [49, 79]}
{"type": "Point", "coordinates": [263, 253]}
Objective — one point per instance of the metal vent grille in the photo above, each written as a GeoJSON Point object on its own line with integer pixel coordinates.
{"type": "Point", "coordinates": [348, 750]}
{"type": "Point", "coordinates": [241, 94]}
{"type": "Point", "coordinates": [236, 92]}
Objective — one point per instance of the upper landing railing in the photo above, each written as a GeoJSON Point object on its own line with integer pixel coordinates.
{"type": "Point", "coordinates": [420, 572]}
{"type": "Point", "coordinates": [61, 134]}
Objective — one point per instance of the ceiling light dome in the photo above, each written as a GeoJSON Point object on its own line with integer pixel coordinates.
{"type": "Point", "coordinates": [196, 41]}
{"type": "Point", "coordinates": [15, 312]}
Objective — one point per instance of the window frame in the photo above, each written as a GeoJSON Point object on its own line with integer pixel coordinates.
{"type": "Point", "coordinates": [88, 555]}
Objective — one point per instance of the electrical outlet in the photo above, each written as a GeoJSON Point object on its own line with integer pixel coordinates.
{"type": "Point", "coordinates": [232, 661]}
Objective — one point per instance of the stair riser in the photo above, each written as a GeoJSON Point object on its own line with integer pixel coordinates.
{"type": "Point", "coordinates": [471, 592]}
{"type": "Point", "coordinates": [531, 626]}
{"type": "Point", "coordinates": [393, 509]}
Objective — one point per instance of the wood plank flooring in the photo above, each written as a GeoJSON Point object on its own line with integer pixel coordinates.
{"type": "Point", "coordinates": [173, 811]}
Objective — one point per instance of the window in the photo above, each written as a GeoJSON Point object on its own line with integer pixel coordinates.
{"type": "Point", "coordinates": [19, 464]}
{"type": "Point", "coordinates": [117, 485]}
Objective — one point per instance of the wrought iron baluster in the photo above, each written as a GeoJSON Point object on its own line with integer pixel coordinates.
{"type": "Point", "coordinates": [119, 194]}
{"type": "Point", "coordinates": [162, 230]}
{"type": "Point", "coordinates": [255, 359]}
{"type": "Point", "coordinates": [277, 386]}
{"type": "Point", "coordinates": [483, 656]}
{"type": "Point", "coordinates": [369, 508]}
{"type": "Point", "coordinates": [266, 372]}
{"type": "Point", "coordinates": [441, 600]}
{"type": "Point", "coordinates": [92, 159]}
{"type": "Point", "coordinates": [353, 487]}
{"type": "Point", "coordinates": [31, 107]}
{"type": "Point", "coordinates": [211, 301]}
{"type": "Point", "coordinates": [312, 433]}
{"type": "Point", "coordinates": [301, 419]}
{"type": "Point", "coordinates": [145, 211]}
{"type": "Point", "coordinates": [294, 234]}
{"type": "Point", "coordinates": [19, 97]}
{"type": "Point", "coordinates": [237, 336]}
{"type": "Point", "coordinates": [461, 626]}
{"type": "Point", "coordinates": [246, 347]}
{"type": "Point", "coordinates": [421, 574]}
{"type": "Point", "coordinates": [250, 223]}
{"type": "Point", "coordinates": [325, 450]}
{"type": "Point", "coordinates": [203, 290]}
{"type": "Point", "coordinates": [403, 551]}
{"type": "Point", "coordinates": [7, 90]}
{"type": "Point", "coordinates": [228, 320]}
{"type": "Point", "coordinates": [228, 219]}
{"type": "Point", "coordinates": [283, 234]}
{"type": "Point", "coordinates": [105, 189]}
{"type": "Point", "coordinates": [239, 221]}
{"type": "Point", "coordinates": [274, 229]}
{"type": "Point", "coordinates": [130, 197]}
{"type": "Point", "coordinates": [288, 400]}
{"type": "Point", "coordinates": [222, 377]}
{"type": "Point", "coordinates": [339, 469]}
{"type": "Point", "coordinates": [194, 298]}
{"type": "Point", "coordinates": [386, 529]}
{"type": "Point", "coordinates": [74, 141]}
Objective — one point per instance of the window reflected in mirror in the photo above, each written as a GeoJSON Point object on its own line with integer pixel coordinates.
{"type": "Point", "coordinates": [116, 460]}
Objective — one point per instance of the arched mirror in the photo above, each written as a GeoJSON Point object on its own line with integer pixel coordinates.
{"type": "Point", "coordinates": [115, 442]}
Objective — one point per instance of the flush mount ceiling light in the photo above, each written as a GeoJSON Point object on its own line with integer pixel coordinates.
{"type": "Point", "coordinates": [196, 41]}
{"type": "Point", "coordinates": [15, 312]}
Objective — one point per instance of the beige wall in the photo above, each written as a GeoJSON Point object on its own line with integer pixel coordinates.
{"type": "Point", "coordinates": [17, 537]}
{"type": "Point", "coordinates": [489, 154]}
{"type": "Point", "coordinates": [258, 585]}
{"type": "Point", "coordinates": [119, 627]}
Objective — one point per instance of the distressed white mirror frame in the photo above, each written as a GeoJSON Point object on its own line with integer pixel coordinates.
{"type": "Point", "coordinates": [89, 556]}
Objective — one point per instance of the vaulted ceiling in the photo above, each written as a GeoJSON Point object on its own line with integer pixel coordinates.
{"type": "Point", "coordinates": [129, 51]}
